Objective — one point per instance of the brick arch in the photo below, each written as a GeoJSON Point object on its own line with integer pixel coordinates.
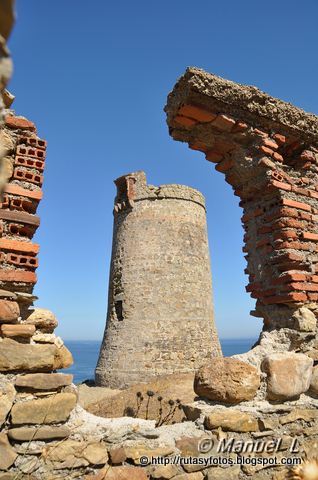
{"type": "Point", "coordinates": [267, 150]}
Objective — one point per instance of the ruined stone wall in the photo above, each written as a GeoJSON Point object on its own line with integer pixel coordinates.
{"type": "Point", "coordinates": [267, 150]}
{"type": "Point", "coordinates": [160, 313]}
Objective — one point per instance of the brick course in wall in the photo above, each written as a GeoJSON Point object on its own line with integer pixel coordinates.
{"type": "Point", "coordinates": [18, 219]}
{"type": "Point", "coordinates": [268, 151]}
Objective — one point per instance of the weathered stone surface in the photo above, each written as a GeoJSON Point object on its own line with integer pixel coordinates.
{"type": "Point", "coordinates": [7, 396]}
{"type": "Point", "coordinates": [9, 311]}
{"type": "Point", "coordinates": [43, 381]}
{"type": "Point", "coordinates": [40, 337]}
{"type": "Point", "coordinates": [73, 452]}
{"type": "Point", "coordinates": [288, 375]}
{"type": "Point", "coordinates": [24, 434]}
{"type": "Point", "coordinates": [54, 409]}
{"type": "Point", "coordinates": [63, 358]}
{"type": "Point", "coordinates": [121, 454]}
{"type": "Point", "coordinates": [314, 381]}
{"type": "Point", "coordinates": [300, 414]}
{"type": "Point", "coordinates": [192, 411]}
{"type": "Point", "coordinates": [43, 319]}
{"type": "Point", "coordinates": [227, 380]}
{"type": "Point", "coordinates": [5, 294]}
{"type": "Point", "coordinates": [218, 473]}
{"type": "Point", "coordinates": [15, 356]}
{"type": "Point", "coordinates": [7, 453]}
{"type": "Point", "coordinates": [169, 387]}
{"type": "Point", "coordinates": [123, 473]}
{"type": "Point", "coordinates": [18, 330]}
{"type": "Point", "coordinates": [88, 395]}
{"type": "Point", "coordinates": [164, 472]}
{"type": "Point", "coordinates": [304, 320]}
{"type": "Point", "coordinates": [231, 420]}
{"type": "Point", "coordinates": [189, 476]}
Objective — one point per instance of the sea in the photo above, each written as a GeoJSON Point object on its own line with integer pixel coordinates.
{"type": "Point", "coordinates": [85, 354]}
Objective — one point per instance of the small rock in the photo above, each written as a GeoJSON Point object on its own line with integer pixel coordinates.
{"type": "Point", "coordinates": [27, 298]}
{"type": "Point", "coordinates": [7, 396]}
{"type": "Point", "coordinates": [28, 465]}
{"type": "Point", "coordinates": [7, 453]}
{"type": "Point", "coordinates": [189, 476]}
{"type": "Point", "coordinates": [43, 337]}
{"type": "Point", "coordinates": [63, 358]}
{"type": "Point", "coordinates": [304, 320]}
{"type": "Point", "coordinates": [218, 473]}
{"type": "Point", "coordinates": [314, 381]}
{"type": "Point", "coordinates": [288, 375]}
{"type": "Point", "coordinates": [18, 330]}
{"type": "Point", "coordinates": [307, 415]}
{"type": "Point", "coordinates": [135, 452]}
{"type": "Point", "coordinates": [231, 420]}
{"type": "Point", "coordinates": [54, 409]}
{"type": "Point", "coordinates": [227, 380]}
{"type": "Point", "coordinates": [163, 472]}
{"type": "Point", "coordinates": [9, 311]}
{"type": "Point", "coordinates": [192, 412]}
{"type": "Point", "coordinates": [43, 381]}
{"type": "Point", "coordinates": [127, 473]}
{"type": "Point", "coordinates": [43, 319]}
{"type": "Point", "coordinates": [96, 453]}
{"type": "Point", "coordinates": [25, 434]}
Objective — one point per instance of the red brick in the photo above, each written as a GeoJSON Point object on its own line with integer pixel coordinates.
{"type": "Point", "coordinates": [266, 150]}
{"type": "Point", "coordinates": [285, 235]}
{"type": "Point", "coordinates": [239, 127]}
{"type": "Point", "coordinates": [289, 276]}
{"type": "Point", "coordinates": [28, 176]}
{"type": "Point", "coordinates": [19, 123]}
{"type": "Point", "coordinates": [305, 216]}
{"type": "Point", "coordinates": [30, 163]}
{"type": "Point", "coordinates": [308, 156]}
{"type": "Point", "coordinates": [16, 190]}
{"type": "Point", "coordinates": [314, 278]}
{"type": "Point", "coordinates": [24, 261]}
{"type": "Point", "coordinates": [291, 297]}
{"type": "Point", "coordinates": [301, 191]}
{"type": "Point", "coordinates": [292, 203]}
{"type": "Point", "coordinates": [310, 236]}
{"type": "Point", "coordinates": [287, 222]}
{"type": "Point", "coordinates": [280, 139]}
{"type": "Point", "coordinates": [17, 276]}
{"type": "Point", "coordinates": [270, 143]}
{"type": "Point", "coordinates": [313, 194]}
{"type": "Point", "coordinates": [184, 121]}
{"type": "Point", "coordinates": [313, 297]}
{"type": "Point", "coordinates": [213, 156]}
{"type": "Point", "coordinates": [17, 246]}
{"type": "Point", "coordinates": [266, 162]}
{"type": "Point", "coordinates": [303, 286]}
{"type": "Point", "coordinates": [197, 113]}
{"type": "Point", "coordinates": [30, 152]}
{"type": "Point", "coordinates": [281, 185]}
{"type": "Point", "coordinates": [278, 157]}
{"type": "Point", "coordinates": [33, 141]}
{"type": "Point", "coordinates": [224, 165]}
{"type": "Point", "coordinates": [293, 245]}
{"type": "Point", "coordinates": [224, 123]}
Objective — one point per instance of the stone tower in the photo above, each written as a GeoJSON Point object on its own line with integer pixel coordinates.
{"type": "Point", "coordinates": [160, 312]}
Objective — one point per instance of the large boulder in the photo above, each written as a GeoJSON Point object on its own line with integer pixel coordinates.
{"type": "Point", "coordinates": [9, 311]}
{"type": "Point", "coordinates": [227, 380]}
{"type": "Point", "coordinates": [53, 409]}
{"type": "Point", "coordinates": [288, 375]}
{"type": "Point", "coordinates": [44, 320]}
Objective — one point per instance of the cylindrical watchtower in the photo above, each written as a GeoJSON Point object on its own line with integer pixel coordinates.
{"type": "Point", "coordinates": [160, 312]}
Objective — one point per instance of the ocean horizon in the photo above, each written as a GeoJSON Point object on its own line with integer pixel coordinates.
{"type": "Point", "coordinates": [85, 354]}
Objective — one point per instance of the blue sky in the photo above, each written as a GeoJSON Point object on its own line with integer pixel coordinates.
{"type": "Point", "coordinates": [94, 76]}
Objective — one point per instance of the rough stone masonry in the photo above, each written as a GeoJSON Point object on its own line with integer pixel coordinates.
{"type": "Point", "coordinates": [267, 150]}
{"type": "Point", "coordinates": [160, 295]}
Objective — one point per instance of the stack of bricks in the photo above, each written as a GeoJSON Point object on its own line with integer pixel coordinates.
{"type": "Point", "coordinates": [24, 166]}
{"type": "Point", "coordinates": [268, 151]}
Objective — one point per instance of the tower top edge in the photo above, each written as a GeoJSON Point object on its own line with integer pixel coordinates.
{"type": "Point", "coordinates": [133, 187]}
